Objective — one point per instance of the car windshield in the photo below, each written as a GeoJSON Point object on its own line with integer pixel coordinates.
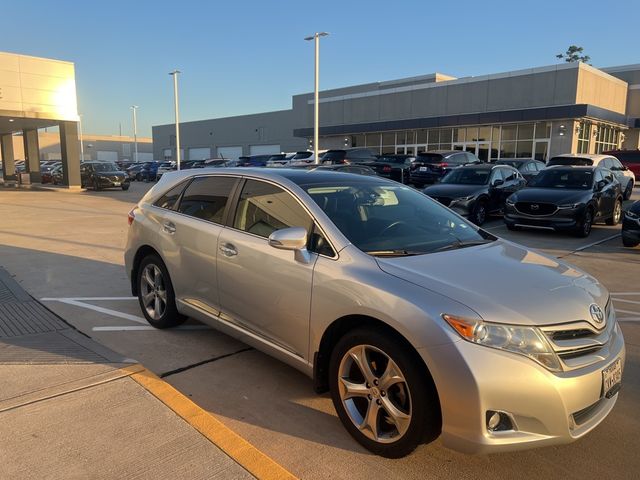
{"type": "Point", "coordinates": [584, 162]}
{"type": "Point", "coordinates": [511, 163]}
{"type": "Point", "coordinates": [390, 159]}
{"type": "Point", "coordinates": [105, 167]}
{"type": "Point", "coordinates": [562, 178]}
{"type": "Point", "coordinates": [467, 176]}
{"type": "Point", "coordinates": [393, 220]}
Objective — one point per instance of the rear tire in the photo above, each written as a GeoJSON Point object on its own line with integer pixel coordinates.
{"type": "Point", "coordinates": [125, 187]}
{"type": "Point", "coordinates": [407, 410]}
{"type": "Point", "coordinates": [156, 295]}
{"type": "Point", "coordinates": [614, 219]}
{"type": "Point", "coordinates": [627, 242]}
{"type": "Point", "coordinates": [628, 191]}
{"type": "Point", "coordinates": [513, 228]}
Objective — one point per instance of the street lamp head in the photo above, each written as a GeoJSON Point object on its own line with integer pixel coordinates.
{"type": "Point", "coordinates": [317, 34]}
{"type": "Point", "coordinates": [134, 107]}
{"type": "Point", "coordinates": [175, 72]}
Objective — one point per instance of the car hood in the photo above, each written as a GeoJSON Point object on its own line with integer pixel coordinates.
{"type": "Point", "coordinates": [504, 283]}
{"type": "Point", "coordinates": [453, 190]}
{"type": "Point", "coordinates": [550, 195]}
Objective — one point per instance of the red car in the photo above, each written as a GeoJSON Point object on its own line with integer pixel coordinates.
{"type": "Point", "coordinates": [629, 158]}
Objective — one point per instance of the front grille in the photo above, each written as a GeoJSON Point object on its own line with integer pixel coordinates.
{"type": "Point", "coordinates": [535, 208]}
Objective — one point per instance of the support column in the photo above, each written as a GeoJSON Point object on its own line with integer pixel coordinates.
{"type": "Point", "coordinates": [69, 148]}
{"type": "Point", "coordinates": [8, 160]}
{"type": "Point", "coordinates": [32, 155]}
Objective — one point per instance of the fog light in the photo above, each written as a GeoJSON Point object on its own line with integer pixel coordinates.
{"type": "Point", "coordinates": [498, 421]}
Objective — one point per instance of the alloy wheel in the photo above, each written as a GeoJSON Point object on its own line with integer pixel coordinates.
{"type": "Point", "coordinates": [153, 291]}
{"type": "Point", "coordinates": [617, 213]}
{"type": "Point", "coordinates": [586, 223]}
{"type": "Point", "coordinates": [481, 214]}
{"type": "Point", "coordinates": [375, 393]}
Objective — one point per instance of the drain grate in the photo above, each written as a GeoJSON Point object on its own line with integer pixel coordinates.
{"type": "Point", "coordinates": [26, 318]}
{"type": "Point", "coordinates": [45, 348]}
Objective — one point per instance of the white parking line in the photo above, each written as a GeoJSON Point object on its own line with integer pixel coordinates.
{"type": "Point", "coordinates": [629, 319]}
{"type": "Point", "coordinates": [625, 294]}
{"type": "Point", "coordinates": [95, 308]}
{"type": "Point", "coordinates": [618, 310]}
{"type": "Point", "coordinates": [626, 301]}
{"type": "Point", "coordinates": [87, 299]}
{"type": "Point", "coordinates": [147, 327]}
{"type": "Point", "coordinates": [593, 244]}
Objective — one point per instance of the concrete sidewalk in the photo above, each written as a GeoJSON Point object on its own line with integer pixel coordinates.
{"type": "Point", "coordinates": [71, 408]}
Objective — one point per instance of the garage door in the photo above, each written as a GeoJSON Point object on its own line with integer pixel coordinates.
{"type": "Point", "coordinates": [264, 149]}
{"type": "Point", "coordinates": [232, 153]}
{"type": "Point", "coordinates": [107, 156]}
{"type": "Point", "coordinates": [145, 156]}
{"type": "Point", "coordinates": [199, 153]}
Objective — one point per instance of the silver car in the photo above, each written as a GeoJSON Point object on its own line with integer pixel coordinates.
{"type": "Point", "coordinates": [419, 323]}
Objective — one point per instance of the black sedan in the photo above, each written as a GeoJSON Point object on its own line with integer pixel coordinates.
{"type": "Point", "coordinates": [394, 167]}
{"type": "Point", "coordinates": [476, 191]}
{"type": "Point", "coordinates": [527, 167]}
{"type": "Point", "coordinates": [430, 167]}
{"type": "Point", "coordinates": [631, 226]}
{"type": "Point", "coordinates": [566, 198]}
{"type": "Point", "coordinates": [99, 175]}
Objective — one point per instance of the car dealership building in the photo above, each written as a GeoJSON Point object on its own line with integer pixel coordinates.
{"type": "Point", "coordinates": [533, 113]}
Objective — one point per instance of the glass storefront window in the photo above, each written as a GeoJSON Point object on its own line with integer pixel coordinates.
{"type": "Point", "coordinates": [373, 139]}
{"type": "Point", "coordinates": [484, 134]}
{"type": "Point", "coordinates": [445, 136]}
{"type": "Point", "coordinates": [458, 134]}
{"type": "Point", "coordinates": [445, 146]}
{"type": "Point", "coordinates": [388, 149]}
{"type": "Point", "coordinates": [411, 137]}
{"type": "Point", "coordinates": [422, 136]}
{"type": "Point", "coordinates": [401, 138]}
{"type": "Point", "coordinates": [472, 134]}
{"type": "Point", "coordinates": [434, 136]}
{"type": "Point", "coordinates": [508, 149]}
{"type": "Point", "coordinates": [389, 138]}
{"type": "Point", "coordinates": [543, 130]}
{"type": "Point", "coordinates": [524, 149]}
{"type": "Point", "coordinates": [525, 131]}
{"type": "Point", "coordinates": [357, 140]}
{"type": "Point", "coordinates": [509, 132]}
{"type": "Point", "coordinates": [433, 146]}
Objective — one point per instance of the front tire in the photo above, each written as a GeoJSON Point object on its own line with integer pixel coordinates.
{"type": "Point", "coordinates": [156, 295]}
{"type": "Point", "coordinates": [479, 212]}
{"type": "Point", "coordinates": [584, 227]}
{"type": "Point", "coordinates": [96, 186]}
{"type": "Point", "coordinates": [383, 398]}
{"type": "Point", "coordinates": [627, 242]}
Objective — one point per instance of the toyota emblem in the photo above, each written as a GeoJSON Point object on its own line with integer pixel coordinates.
{"type": "Point", "coordinates": [596, 313]}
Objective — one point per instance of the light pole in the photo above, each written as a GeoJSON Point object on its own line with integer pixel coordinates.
{"type": "Point", "coordinates": [316, 107]}
{"type": "Point", "coordinates": [175, 99]}
{"type": "Point", "coordinates": [81, 139]}
{"type": "Point", "coordinates": [135, 133]}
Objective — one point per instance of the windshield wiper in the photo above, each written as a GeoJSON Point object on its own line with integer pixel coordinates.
{"type": "Point", "coordinates": [393, 253]}
{"type": "Point", "coordinates": [460, 244]}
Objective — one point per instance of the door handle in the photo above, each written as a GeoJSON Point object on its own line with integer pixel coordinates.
{"type": "Point", "coordinates": [228, 250]}
{"type": "Point", "coordinates": [169, 227]}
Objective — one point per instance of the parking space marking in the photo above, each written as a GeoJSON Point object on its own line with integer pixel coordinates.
{"type": "Point", "coordinates": [88, 299]}
{"type": "Point", "coordinates": [108, 311]}
{"type": "Point", "coordinates": [625, 294]}
{"type": "Point", "coordinates": [626, 301]}
{"type": "Point", "coordinates": [136, 328]}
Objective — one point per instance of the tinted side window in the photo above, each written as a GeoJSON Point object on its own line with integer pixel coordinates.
{"type": "Point", "coordinates": [496, 175]}
{"type": "Point", "coordinates": [169, 199]}
{"type": "Point", "coordinates": [509, 174]}
{"type": "Point", "coordinates": [598, 176]}
{"type": "Point", "coordinates": [471, 157]}
{"type": "Point", "coordinates": [207, 197]}
{"type": "Point", "coordinates": [264, 208]}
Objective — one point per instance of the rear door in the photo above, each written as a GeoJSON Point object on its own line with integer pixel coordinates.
{"type": "Point", "coordinates": [261, 288]}
{"type": "Point", "coordinates": [194, 229]}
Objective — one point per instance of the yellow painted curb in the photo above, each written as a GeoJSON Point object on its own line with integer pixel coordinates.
{"type": "Point", "coordinates": [245, 454]}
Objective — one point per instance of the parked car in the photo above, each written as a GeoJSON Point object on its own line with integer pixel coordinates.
{"type": "Point", "coordinates": [430, 167]}
{"type": "Point", "coordinates": [527, 167]}
{"type": "Point", "coordinates": [419, 323]}
{"type": "Point", "coordinates": [46, 173]}
{"type": "Point", "coordinates": [101, 175]}
{"type": "Point", "coordinates": [628, 158]}
{"type": "Point", "coordinates": [631, 226]}
{"type": "Point", "coordinates": [57, 175]}
{"type": "Point", "coordinates": [302, 158]}
{"type": "Point", "coordinates": [165, 167]}
{"type": "Point", "coordinates": [477, 191]}
{"type": "Point", "coordinates": [396, 167]}
{"type": "Point", "coordinates": [220, 162]}
{"type": "Point", "coordinates": [570, 198]}
{"type": "Point", "coordinates": [348, 155]}
{"type": "Point", "coordinates": [133, 170]}
{"type": "Point", "coordinates": [147, 172]}
{"type": "Point", "coordinates": [188, 164]}
{"type": "Point", "coordinates": [625, 177]}
{"type": "Point", "coordinates": [279, 159]}
{"type": "Point", "coordinates": [125, 164]}
{"type": "Point", "coordinates": [253, 160]}
{"type": "Point", "coordinates": [344, 168]}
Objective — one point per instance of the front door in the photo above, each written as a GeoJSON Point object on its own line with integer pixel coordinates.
{"type": "Point", "coordinates": [264, 289]}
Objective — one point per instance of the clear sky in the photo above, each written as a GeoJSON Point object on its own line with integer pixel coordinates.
{"type": "Point", "coordinates": [242, 57]}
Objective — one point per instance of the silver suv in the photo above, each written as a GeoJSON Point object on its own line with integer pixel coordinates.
{"type": "Point", "coordinates": [418, 322]}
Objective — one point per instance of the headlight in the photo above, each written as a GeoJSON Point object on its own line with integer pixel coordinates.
{"type": "Point", "coordinates": [631, 215]}
{"type": "Point", "coordinates": [510, 202]}
{"type": "Point", "coordinates": [465, 199]}
{"type": "Point", "coordinates": [527, 341]}
{"type": "Point", "coordinates": [567, 206]}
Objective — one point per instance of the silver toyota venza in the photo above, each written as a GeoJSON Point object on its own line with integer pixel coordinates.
{"type": "Point", "coordinates": [419, 323]}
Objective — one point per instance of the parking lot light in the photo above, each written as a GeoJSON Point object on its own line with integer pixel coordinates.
{"type": "Point", "coordinates": [135, 133]}
{"type": "Point", "coordinates": [175, 74]}
{"type": "Point", "coordinates": [316, 38]}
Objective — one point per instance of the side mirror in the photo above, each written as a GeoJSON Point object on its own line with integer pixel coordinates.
{"type": "Point", "coordinates": [624, 168]}
{"type": "Point", "coordinates": [293, 238]}
{"type": "Point", "coordinates": [600, 185]}
{"type": "Point", "coordinates": [498, 182]}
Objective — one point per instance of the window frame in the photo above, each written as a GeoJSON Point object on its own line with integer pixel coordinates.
{"type": "Point", "coordinates": [234, 201]}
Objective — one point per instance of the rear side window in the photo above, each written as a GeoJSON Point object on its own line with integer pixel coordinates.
{"type": "Point", "coordinates": [207, 197]}
{"type": "Point", "coordinates": [264, 208]}
{"type": "Point", "coordinates": [170, 199]}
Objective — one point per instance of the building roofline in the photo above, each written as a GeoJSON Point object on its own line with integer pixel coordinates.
{"type": "Point", "coordinates": [37, 58]}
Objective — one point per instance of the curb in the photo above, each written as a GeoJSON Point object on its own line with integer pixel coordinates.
{"type": "Point", "coordinates": [242, 452]}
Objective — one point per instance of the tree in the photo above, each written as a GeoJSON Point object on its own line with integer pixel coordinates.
{"type": "Point", "coordinates": [574, 54]}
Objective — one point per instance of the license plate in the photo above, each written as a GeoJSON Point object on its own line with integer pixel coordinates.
{"type": "Point", "coordinates": [423, 169]}
{"type": "Point", "coordinates": [117, 184]}
{"type": "Point", "coordinates": [611, 376]}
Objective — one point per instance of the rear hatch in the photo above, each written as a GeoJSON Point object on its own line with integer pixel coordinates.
{"type": "Point", "coordinates": [429, 163]}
